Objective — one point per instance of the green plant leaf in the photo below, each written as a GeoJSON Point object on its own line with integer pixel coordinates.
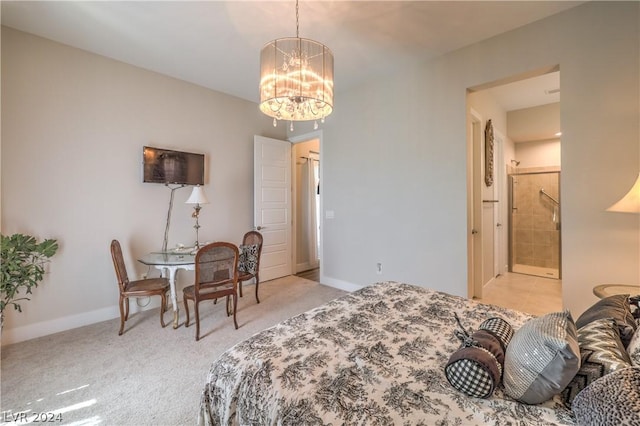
{"type": "Point", "coordinates": [22, 266]}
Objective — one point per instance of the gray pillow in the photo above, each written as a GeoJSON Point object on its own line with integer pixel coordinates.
{"type": "Point", "coordinates": [542, 358]}
{"type": "Point", "coordinates": [617, 307]}
{"type": "Point", "coordinates": [611, 400]}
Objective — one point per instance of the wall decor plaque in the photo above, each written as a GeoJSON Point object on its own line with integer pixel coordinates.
{"type": "Point", "coordinates": [488, 154]}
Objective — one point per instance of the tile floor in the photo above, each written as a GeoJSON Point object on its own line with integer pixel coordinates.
{"type": "Point", "coordinates": [527, 293]}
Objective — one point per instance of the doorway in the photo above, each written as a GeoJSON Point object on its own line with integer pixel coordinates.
{"type": "Point", "coordinates": [306, 188]}
{"type": "Point", "coordinates": [517, 106]}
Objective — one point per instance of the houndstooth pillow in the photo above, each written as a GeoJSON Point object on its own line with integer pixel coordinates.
{"type": "Point", "coordinates": [611, 400]}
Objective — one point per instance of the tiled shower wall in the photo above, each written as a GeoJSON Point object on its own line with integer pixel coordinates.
{"type": "Point", "coordinates": [535, 232]}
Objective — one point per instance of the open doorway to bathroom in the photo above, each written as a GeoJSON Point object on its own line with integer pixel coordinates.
{"type": "Point", "coordinates": [527, 272]}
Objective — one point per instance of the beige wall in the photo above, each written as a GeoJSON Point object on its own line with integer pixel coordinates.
{"type": "Point", "coordinates": [539, 154]}
{"type": "Point", "coordinates": [401, 146]}
{"type": "Point", "coordinates": [74, 125]}
{"type": "Point", "coordinates": [535, 123]}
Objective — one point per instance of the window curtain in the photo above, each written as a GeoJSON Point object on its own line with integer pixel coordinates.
{"type": "Point", "coordinates": [309, 192]}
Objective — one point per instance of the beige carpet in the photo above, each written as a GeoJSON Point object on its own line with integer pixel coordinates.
{"type": "Point", "coordinates": [149, 375]}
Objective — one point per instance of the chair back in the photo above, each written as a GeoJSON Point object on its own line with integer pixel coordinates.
{"type": "Point", "coordinates": [216, 264]}
{"type": "Point", "coordinates": [118, 263]}
{"type": "Point", "coordinates": [252, 238]}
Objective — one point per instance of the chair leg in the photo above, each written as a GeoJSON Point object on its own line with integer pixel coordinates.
{"type": "Point", "coordinates": [195, 308]}
{"type": "Point", "coordinates": [126, 312]}
{"type": "Point", "coordinates": [122, 319]}
{"type": "Point", "coordinates": [240, 287]}
{"type": "Point", "coordinates": [235, 308]}
{"type": "Point", "coordinates": [228, 307]}
{"type": "Point", "coordinates": [257, 284]}
{"type": "Point", "coordinates": [164, 303]}
{"type": "Point", "coordinates": [186, 310]}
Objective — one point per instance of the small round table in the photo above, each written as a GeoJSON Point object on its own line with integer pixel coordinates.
{"type": "Point", "coordinates": [606, 290]}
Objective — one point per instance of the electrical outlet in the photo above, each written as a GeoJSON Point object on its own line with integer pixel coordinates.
{"type": "Point", "coordinates": [379, 268]}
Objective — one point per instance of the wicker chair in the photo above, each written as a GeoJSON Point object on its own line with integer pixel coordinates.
{"type": "Point", "coordinates": [216, 276]}
{"type": "Point", "coordinates": [249, 266]}
{"type": "Point", "coordinates": [138, 288]}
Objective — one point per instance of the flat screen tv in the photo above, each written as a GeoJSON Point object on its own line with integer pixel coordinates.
{"type": "Point", "coordinates": [172, 167]}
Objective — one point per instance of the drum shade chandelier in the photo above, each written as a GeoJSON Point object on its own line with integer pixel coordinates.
{"type": "Point", "coordinates": [296, 79]}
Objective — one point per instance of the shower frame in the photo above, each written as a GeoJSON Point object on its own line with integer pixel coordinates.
{"type": "Point", "coordinates": [531, 268]}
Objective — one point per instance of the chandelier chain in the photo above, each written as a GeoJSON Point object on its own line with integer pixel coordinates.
{"type": "Point", "coordinates": [296, 78]}
{"type": "Point", "coordinates": [297, 21]}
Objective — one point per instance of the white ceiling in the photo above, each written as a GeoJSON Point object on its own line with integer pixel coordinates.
{"type": "Point", "coordinates": [216, 44]}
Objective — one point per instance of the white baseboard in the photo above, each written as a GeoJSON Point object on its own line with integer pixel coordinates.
{"type": "Point", "coordinates": [306, 266]}
{"type": "Point", "coordinates": [33, 331]}
{"type": "Point", "coordinates": [342, 285]}
{"type": "Point", "coordinates": [301, 267]}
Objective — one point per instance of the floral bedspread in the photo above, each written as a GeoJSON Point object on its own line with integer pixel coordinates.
{"type": "Point", "coordinates": [373, 357]}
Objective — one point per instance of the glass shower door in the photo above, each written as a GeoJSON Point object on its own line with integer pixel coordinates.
{"type": "Point", "coordinates": [534, 224]}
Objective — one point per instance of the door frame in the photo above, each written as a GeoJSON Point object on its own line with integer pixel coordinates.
{"type": "Point", "coordinates": [475, 137]}
{"type": "Point", "coordinates": [500, 245]}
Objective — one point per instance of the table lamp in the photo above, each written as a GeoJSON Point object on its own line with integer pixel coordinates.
{"type": "Point", "coordinates": [197, 197]}
{"type": "Point", "coordinates": [630, 203]}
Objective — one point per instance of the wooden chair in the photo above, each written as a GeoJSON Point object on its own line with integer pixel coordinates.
{"type": "Point", "coordinates": [249, 266]}
{"type": "Point", "coordinates": [138, 288]}
{"type": "Point", "coordinates": [216, 276]}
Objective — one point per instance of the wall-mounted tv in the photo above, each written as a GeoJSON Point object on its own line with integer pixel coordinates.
{"type": "Point", "coordinates": [172, 167]}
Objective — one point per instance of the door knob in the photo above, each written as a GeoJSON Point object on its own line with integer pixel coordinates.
{"type": "Point", "coordinates": [473, 231]}
{"type": "Point", "coordinates": [498, 225]}
{"type": "Point", "coordinates": [260, 227]}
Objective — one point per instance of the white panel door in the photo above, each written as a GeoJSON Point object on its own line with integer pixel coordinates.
{"type": "Point", "coordinates": [272, 205]}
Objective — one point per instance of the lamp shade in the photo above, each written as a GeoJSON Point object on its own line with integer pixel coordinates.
{"type": "Point", "coordinates": [197, 196]}
{"type": "Point", "coordinates": [630, 203]}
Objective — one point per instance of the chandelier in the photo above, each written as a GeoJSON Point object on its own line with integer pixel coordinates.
{"type": "Point", "coordinates": [296, 79]}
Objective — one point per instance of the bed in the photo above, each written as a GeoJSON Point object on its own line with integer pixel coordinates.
{"type": "Point", "coordinates": [372, 357]}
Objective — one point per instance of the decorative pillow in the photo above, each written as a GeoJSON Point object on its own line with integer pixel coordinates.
{"type": "Point", "coordinates": [634, 349]}
{"type": "Point", "coordinates": [475, 368]}
{"type": "Point", "coordinates": [499, 328]}
{"type": "Point", "coordinates": [617, 307]}
{"type": "Point", "coordinates": [601, 352]}
{"type": "Point", "coordinates": [248, 261]}
{"type": "Point", "coordinates": [542, 358]}
{"type": "Point", "coordinates": [611, 400]}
